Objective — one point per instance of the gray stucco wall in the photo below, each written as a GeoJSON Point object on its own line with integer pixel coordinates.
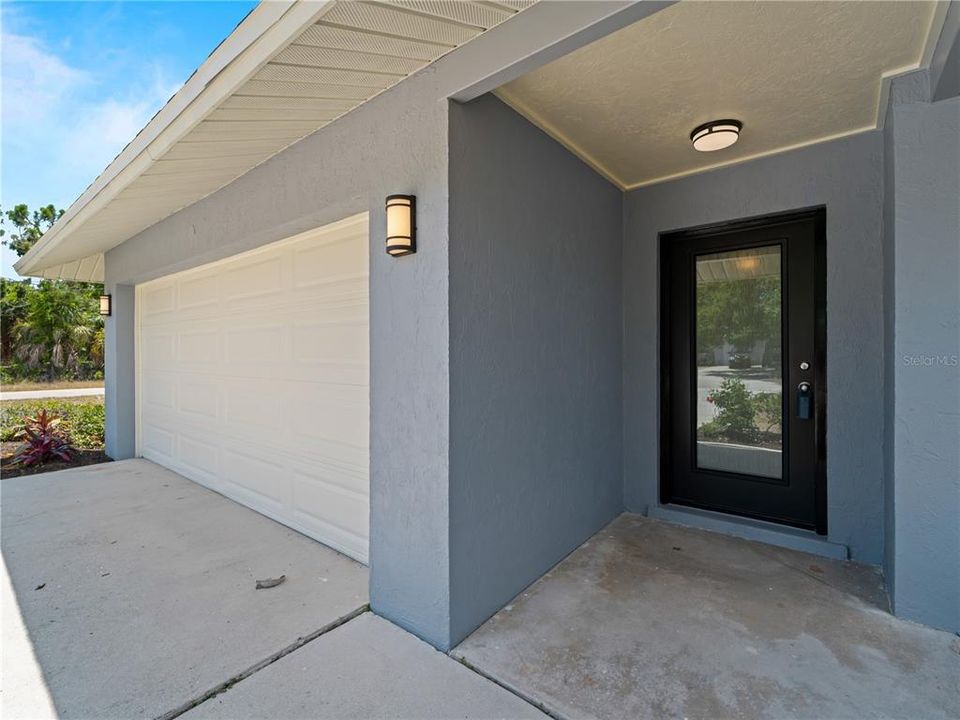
{"type": "Point", "coordinates": [925, 567]}
{"type": "Point", "coordinates": [397, 143]}
{"type": "Point", "coordinates": [945, 64]}
{"type": "Point", "coordinates": [535, 330]}
{"type": "Point", "coordinates": [119, 359]}
{"type": "Point", "coordinates": [889, 352]}
{"type": "Point", "coordinates": [846, 176]}
{"type": "Point", "coordinates": [908, 88]}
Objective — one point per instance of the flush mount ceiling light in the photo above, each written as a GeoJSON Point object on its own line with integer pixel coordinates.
{"type": "Point", "coordinates": [716, 135]}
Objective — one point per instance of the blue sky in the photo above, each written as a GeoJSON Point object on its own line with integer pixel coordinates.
{"type": "Point", "coordinates": [79, 79]}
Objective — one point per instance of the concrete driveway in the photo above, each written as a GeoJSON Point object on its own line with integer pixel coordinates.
{"type": "Point", "coordinates": [131, 594]}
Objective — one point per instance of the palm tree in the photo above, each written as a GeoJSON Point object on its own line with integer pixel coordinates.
{"type": "Point", "coordinates": [60, 327]}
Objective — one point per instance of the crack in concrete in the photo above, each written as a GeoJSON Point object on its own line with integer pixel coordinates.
{"type": "Point", "coordinates": [257, 667]}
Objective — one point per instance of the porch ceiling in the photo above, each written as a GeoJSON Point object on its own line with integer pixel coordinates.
{"type": "Point", "coordinates": [794, 73]}
{"type": "Point", "coordinates": [288, 70]}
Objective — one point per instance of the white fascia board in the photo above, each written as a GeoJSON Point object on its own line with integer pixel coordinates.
{"type": "Point", "coordinates": [265, 31]}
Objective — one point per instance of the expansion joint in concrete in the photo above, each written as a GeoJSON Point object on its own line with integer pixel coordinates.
{"type": "Point", "coordinates": [257, 667]}
{"type": "Point", "coordinates": [512, 689]}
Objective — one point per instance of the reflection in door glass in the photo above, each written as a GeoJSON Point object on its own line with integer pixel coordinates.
{"type": "Point", "coordinates": [738, 346]}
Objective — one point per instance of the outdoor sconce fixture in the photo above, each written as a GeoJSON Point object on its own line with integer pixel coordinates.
{"type": "Point", "coordinates": [716, 135]}
{"type": "Point", "coordinates": [106, 305]}
{"type": "Point", "coordinates": [401, 225]}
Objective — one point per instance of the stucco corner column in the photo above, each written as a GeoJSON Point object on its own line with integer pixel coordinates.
{"type": "Point", "coordinates": [119, 360]}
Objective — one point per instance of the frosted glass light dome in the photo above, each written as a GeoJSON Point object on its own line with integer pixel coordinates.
{"type": "Point", "coordinates": [716, 135]}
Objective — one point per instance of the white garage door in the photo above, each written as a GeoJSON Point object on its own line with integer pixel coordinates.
{"type": "Point", "coordinates": [254, 380]}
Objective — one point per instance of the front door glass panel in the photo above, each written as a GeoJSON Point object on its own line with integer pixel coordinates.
{"type": "Point", "coordinates": [739, 378]}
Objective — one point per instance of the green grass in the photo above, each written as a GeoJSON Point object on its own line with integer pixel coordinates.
{"type": "Point", "coordinates": [81, 418]}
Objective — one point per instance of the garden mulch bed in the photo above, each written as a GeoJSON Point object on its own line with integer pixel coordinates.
{"type": "Point", "coordinates": [82, 457]}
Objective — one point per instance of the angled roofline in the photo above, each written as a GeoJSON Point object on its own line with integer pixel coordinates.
{"type": "Point", "coordinates": [538, 34]}
{"type": "Point", "coordinates": [262, 33]}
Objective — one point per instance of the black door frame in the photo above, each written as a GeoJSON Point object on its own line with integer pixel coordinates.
{"type": "Point", "coordinates": [818, 215]}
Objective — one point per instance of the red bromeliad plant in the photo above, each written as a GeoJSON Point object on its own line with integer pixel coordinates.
{"type": "Point", "coordinates": [43, 440]}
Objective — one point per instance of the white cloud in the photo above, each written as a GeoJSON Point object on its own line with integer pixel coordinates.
{"type": "Point", "coordinates": [35, 83]}
{"type": "Point", "coordinates": [115, 123]}
{"type": "Point", "coordinates": [65, 123]}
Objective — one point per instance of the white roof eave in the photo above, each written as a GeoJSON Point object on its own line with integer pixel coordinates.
{"type": "Point", "coordinates": [266, 30]}
{"type": "Point", "coordinates": [289, 68]}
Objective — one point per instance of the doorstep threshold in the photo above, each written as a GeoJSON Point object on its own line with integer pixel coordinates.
{"type": "Point", "coordinates": [750, 529]}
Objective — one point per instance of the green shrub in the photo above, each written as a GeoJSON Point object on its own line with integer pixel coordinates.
{"type": "Point", "coordinates": [735, 413]}
{"type": "Point", "coordinates": [82, 421]}
{"type": "Point", "coordinates": [742, 416]}
{"type": "Point", "coordinates": [769, 411]}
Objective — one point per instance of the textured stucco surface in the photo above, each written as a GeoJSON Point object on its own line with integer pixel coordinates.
{"type": "Point", "coordinates": [846, 177]}
{"type": "Point", "coordinates": [912, 87]}
{"type": "Point", "coordinates": [535, 240]}
{"type": "Point", "coordinates": [945, 63]}
{"type": "Point", "coordinates": [925, 564]}
{"type": "Point", "coordinates": [397, 143]}
{"type": "Point", "coordinates": [119, 357]}
{"type": "Point", "coordinates": [889, 334]}
{"type": "Point", "coordinates": [629, 100]}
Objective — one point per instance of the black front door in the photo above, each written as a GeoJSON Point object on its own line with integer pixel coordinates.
{"type": "Point", "coordinates": [743, 366]}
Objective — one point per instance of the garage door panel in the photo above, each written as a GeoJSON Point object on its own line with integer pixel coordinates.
{"type": "Point", "coordinates": [158, 350]}
{"type": "Point", "coordinates": [343, 509]}
{"type": "Point", "coordinates": [254, 381]}
{"type": "Point", "coordinates": [256, 477]}
{"type": "Point", "coordinates": [159, 390]}
{"type": "Point", "coordinates": [331, 294]}
{"type": "Point", "coordinates": [201, 456]}
{"type": "Point", "coordinates": [338, 261]}
{"type": "Point", "coordinates": [255, 405]}
{"type": "Point", "coordinates": [199, 347]}
{"type": "Point", "coordinates": [263, 345]}
{"type": "Point", "coordinates": [334, 341]}
{"type": "Point", "coordinates": [334, 413]}
{"type": "Point", "coordinates": [345, 462]}
{"type": "Point", "coordinates": [253, 279]}
{"type": "Point", "coordinates": [351, 478]}
{"type": "Point", "coordinates": [339, 373]}
{"type": "Point", "coordinates": [161, 443]}
{"type": "Point", "coordinates": [158, 301]}
{"type": "Point", "coordinates": [352, 544]}
{"type": "Point", "coordinates": [198, 398]}
{"type": "Point", "coordinates": [197, 293]}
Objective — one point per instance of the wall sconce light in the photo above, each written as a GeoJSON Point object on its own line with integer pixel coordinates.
{"type": "Point", "coordinates": [401, 225]}
{"type": "Point", "coordinates": [106, 305]}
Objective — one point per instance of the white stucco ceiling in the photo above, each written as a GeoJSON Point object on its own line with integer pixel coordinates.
{"type": "Point", "coordinates": [794, 73]}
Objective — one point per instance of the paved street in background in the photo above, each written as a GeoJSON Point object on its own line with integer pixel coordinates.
{"type": "Point", "coordinates": [48, 394]}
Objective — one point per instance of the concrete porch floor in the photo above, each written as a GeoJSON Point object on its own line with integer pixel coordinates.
{"type": "Point", "coordinates": [650, 619]}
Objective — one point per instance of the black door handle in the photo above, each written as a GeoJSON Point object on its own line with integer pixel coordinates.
{"type": "Point", "coordinates": [804, 401]}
